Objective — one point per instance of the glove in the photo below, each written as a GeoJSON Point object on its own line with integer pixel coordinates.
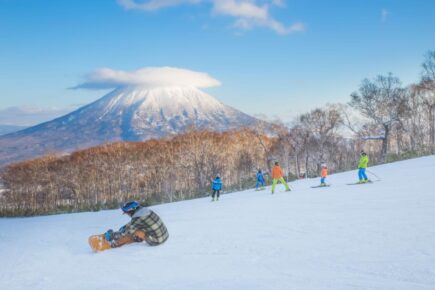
{"type": "Point", "coordinates": [109, 235]}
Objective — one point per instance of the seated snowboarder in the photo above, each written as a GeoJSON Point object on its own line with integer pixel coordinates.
{"type": "Point", "coordinates": [260, 180]}
{"type": "Point", "coordinates": [323, 175]}
{"type": "Point", "coordinates": [216, 187]}
{"type": "Point", "coordinates": [145, 225]}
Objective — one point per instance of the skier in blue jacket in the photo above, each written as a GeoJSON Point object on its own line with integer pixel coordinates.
{"type": "Point", "coordinates": [260, 180]}
{"type": "Point", "coordinates": [216, 187]}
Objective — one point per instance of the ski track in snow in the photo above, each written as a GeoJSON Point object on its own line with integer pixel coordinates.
{"type": "Point", "coordinates": [375, 236]}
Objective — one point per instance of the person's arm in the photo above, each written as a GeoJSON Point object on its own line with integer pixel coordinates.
{"type": "Point", "coordinates": [128, 229]}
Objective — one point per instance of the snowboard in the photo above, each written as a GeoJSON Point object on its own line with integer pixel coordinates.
{"type": "Point", "coordinates": [98, 243]}
{"type": "Point", "coordinates": [318, 186]}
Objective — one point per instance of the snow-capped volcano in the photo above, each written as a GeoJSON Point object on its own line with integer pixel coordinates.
{"type": "Point", "coordinates": [144, 113]}
{"type": "Point", "coordinates": [129, 113]}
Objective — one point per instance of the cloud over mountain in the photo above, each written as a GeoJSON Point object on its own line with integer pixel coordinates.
{"type": "Point", "coordinates": [106, 78]}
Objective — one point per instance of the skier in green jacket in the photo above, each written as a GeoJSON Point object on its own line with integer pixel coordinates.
{"type": "Point", "coordinates": [363, 162]}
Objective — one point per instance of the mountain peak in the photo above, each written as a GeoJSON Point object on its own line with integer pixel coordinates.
{"type": "Point", "coordinates": [169, 98]}
{"type": "Point", "coordinates": [128, 113]}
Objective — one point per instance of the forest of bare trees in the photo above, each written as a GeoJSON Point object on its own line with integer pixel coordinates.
{"type": "Point", "coordinates": [386, 119]}
{"type": "Point", "coordinates": [153, 171]}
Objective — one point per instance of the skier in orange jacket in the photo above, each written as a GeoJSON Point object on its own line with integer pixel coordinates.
{"type": "Point", "coordinates": [323, 175]}
{"type": "Point", "coordinates": [277, 175]}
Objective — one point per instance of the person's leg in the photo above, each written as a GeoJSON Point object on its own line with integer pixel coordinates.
{"type": "Point", "coordinates": [257, 184]}
{"type": "Point", "coordinates": [212, 195]}
{"type": "Point", "coordinates": [274, 182]}
{"type": "Point", "coordinates": [322, 180]}
{"type": "Point", "coordinates": [218, 194]}
{"type": "Point", "coordinates": [287, 188]}
{"type": "Point", "coordinates": [139, 236]}
{"type": "Point", "coordinates": [363, 172]}
{"type": "Point", "coordinates": [360, 176]}
{"type": "Point", "coordinates": [128, 239]}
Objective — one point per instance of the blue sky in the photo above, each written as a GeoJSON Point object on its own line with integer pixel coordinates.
{"type": "Point", "coordinates": [277, 58]}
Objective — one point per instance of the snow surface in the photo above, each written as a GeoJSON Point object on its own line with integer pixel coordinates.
{"type": "Point", "coordinates": [373, 236]}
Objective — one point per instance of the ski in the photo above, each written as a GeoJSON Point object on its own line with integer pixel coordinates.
{"type": "Point", "coordinates": [318, 186]}
{"type": "Point", "coordinates": [360, 183]}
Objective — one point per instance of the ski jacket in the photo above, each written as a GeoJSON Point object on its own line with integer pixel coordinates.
{"type": "Point", "coordinates": [147, 221]}
{"type": "Point", "coordinates": [324, 172]}
{"type": "Point", "coordinates": [260, 177]}
{"type": "Point", "coordinates": [217, 184]}
{"type": "Point", "coordinates": [277, 172]}
{"type": "Point", "coordinates": [363, 162]}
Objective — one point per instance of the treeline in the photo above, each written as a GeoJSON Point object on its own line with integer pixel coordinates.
{"type": "Point", "coordinates": [386, 119]}
{"type": "Point", "coordinates": [154, 171]}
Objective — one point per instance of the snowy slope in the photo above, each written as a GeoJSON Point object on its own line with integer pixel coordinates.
{"type": "Point", "coordinates": [374, 236]}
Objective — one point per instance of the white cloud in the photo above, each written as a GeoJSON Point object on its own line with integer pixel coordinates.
{"type": "Point", "coordinates": [248, 13]}
{"type": "Point", "coordinates": [29, 116]}
{"type": "Point", "coordinates": [148, 77]}
{"type": "Point", "coordinates": [153, 4]}
{"type": "Point", "coordinates": [279, 3]}
{"type": "Point", "coordinates": [384, 15]}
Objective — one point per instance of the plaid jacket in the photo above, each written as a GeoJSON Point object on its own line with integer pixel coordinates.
{"type": "Point", "coordinates": [150, 223]}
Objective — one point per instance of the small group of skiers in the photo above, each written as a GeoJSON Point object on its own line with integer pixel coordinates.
{"type": "Point", "coordinates": [278, 176]}
{"type": "Point", "coordinates": [146, 226]}
{"type": "Point", "coordinates": [362, 166]}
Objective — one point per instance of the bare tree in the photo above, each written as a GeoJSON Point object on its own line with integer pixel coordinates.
{"type": "Point", "coordinates": [383, 101]}
{"type": "Point", "coordinates": [429, 66]}
{"type": "Point", "coordinates": [426, 88]}
{"type": "Point", "coordinates": [323, 125]}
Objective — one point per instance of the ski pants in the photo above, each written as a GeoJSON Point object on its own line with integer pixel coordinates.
{"type": "Point", "coordinates": [259, 182]}
{"type": "Point", "coordinates": [215, 192]}
{"type": "Point", "coordinates": [322, 180]}
{"type": "Point", "coordinates": [362, 174]}
{"type": "Point", "coordinates": [137, 237]}
{"type": "Point", "coordinates": [275, 181]}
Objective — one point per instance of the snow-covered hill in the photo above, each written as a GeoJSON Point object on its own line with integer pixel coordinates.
{"type": "Point", "coordinates": [129, 113]}
{"type": "Point", "coordinates": [374, 236]}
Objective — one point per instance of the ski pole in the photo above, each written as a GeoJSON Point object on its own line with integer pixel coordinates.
{"type": "Point", "coordinates": [373, 174]}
